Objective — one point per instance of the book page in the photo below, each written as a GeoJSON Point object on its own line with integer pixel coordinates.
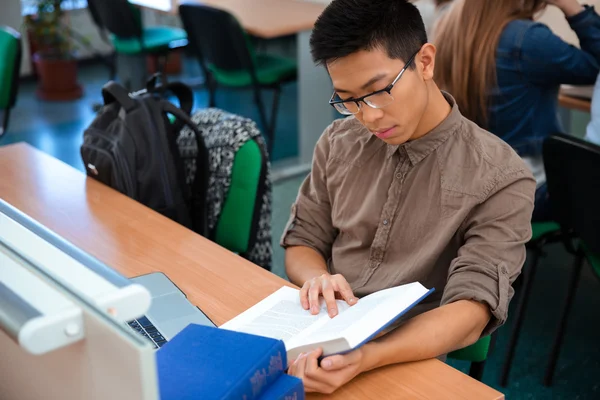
{"type": "Point", "coordinates": [368, 316]}
{"type": "Point", "coordinates": [281, 316]}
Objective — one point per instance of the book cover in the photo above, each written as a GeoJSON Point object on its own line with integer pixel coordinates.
{"type": "Point", "coordinates": [203, 362]}
{"type": "Point", "coordinates": [286, 387]}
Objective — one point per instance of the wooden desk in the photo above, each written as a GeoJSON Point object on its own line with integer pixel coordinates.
{"type": "Point", "coordinates": [135, 240]}
{"type": "Point", "coordinates": [576, 97]}
{"type": "Point", "coordinates": [267, 19]}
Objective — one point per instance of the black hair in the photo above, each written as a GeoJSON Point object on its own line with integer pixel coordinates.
{"type": "Point", "coordinates": [348, 26]}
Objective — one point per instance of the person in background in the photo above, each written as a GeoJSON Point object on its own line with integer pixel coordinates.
{"type": "Point", "coordinates": [592, 133]}
{"type": "Point", "coordinates": [504, 70]}
{"type": "Point", "coordinates": [403, 189]}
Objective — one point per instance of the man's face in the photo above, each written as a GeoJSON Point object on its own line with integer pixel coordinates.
{"type": "Point", "coordinates": [365, 72]}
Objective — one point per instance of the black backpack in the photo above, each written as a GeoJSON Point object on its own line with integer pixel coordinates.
{"type": "Point", "coordinates": [131, 147]}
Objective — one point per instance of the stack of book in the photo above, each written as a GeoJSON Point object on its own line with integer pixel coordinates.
{"type": "Point", "coordinates": [203, 362]}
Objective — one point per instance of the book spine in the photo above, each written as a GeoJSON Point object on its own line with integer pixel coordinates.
{"type": "Point", "coordinates": [286, 388]}
{"type": "Point", "coordinates": [266, 371]}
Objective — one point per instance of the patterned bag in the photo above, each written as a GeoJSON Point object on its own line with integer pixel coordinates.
{"type": "Point", "coordinates": [224, 134]}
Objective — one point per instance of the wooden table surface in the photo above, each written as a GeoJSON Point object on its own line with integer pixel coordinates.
{"type": "Point", "coordinates": [576, 97]}
{"type": "Point", "coordinates": [135, 240]}
{"type": "Point", "coordinates": [262, 18]}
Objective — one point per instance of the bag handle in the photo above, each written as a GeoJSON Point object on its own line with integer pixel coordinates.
{"type": "Point", "coordinates": [182, 91]}
{"type": "Point", "coordinates": [112, 91]}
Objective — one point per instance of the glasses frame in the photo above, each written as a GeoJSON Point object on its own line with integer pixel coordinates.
{"type": "Point", "coordinates": [361, 99]}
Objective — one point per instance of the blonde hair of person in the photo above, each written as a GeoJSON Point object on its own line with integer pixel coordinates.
{"type": "Point", "coordinates": [466, 37]}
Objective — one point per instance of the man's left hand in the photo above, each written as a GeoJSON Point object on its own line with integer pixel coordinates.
{"type": "Point", "coordinates": [333, 372]}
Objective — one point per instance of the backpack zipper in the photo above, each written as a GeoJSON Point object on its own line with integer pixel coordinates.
{"type": "Point", "coordinates": [121, 164]}
{"type": "Point", "coordinates": [125, 183]}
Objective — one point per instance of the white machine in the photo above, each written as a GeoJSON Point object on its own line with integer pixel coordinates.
{"type": "Point", "coordinates": [63, 314]}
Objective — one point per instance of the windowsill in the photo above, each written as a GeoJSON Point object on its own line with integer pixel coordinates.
{"type": "Point", "coordinates": [28, 9]}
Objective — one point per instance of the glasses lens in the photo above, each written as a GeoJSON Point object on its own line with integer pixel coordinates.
{"type": "Point", "coordinates": [379, 100]}
{"type": "Point", "coordinates": [346, 108]}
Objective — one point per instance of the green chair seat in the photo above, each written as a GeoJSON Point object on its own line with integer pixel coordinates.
{"type": "Point", "coordinates": [235, 222]}
{"type": "Point", "coordinates": [155, 39]}
{"type": "Point", "coordinates": [477, 352]}
{"type": "Point", "coordinates": [269, 70]}
{"type": "Point", "coordinates": [539, 229]}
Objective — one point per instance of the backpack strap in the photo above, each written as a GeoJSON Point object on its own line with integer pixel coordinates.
{"type": "Point", "coordinates": [198, 207]}
{"type": "Point", "coordinates": [114, 92]}
{"type": "Point", "coordinates": [182, 91]}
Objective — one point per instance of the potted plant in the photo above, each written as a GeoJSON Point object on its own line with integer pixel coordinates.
{"type": "Point", "coordinates": [53, 52]}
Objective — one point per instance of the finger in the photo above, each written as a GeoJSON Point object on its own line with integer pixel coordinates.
{"type": "Point", "coordinates": [340, 361]}
{"type": "Point", "coordinates": [313, 296]}
{"type": "Point", "coordinates": [329, 296]}
{"type": "Point", "coordinates": [312, 362]}
{"type": "Point", "coordinates": [304, 295]}
{"type": "Point", "coordinates": [344, 289]}
{"type": "Point", "coordinates": [298, 366]}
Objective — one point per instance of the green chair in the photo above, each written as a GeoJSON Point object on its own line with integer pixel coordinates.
{"type": "Point", "coordinates": [238, 222]}
{"type": "Point", "coordinates": [543, 233]}
{"type": "Point", "coordinates": [130, 38]}
{"type": "Point", "coordinates": [227, 58]}
{"type": "Point", "coordinates": [10, 67]}
{"type": "Point", "coordinates": [476, 353]}
{"type": "Point", "coordinates": [573, 173]}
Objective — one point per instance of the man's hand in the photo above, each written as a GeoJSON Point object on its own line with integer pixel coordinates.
{"type": "Point", "coordinates": [568, 7]}
{"type": "Point", "coordinates": [329, 286]}
{"type": "Point", "coordinates": [333, 372]}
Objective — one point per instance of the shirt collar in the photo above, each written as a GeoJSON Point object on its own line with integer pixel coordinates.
{"type": "Point", "coordinates": [420, 148]}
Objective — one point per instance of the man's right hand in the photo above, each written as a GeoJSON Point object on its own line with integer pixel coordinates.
{"type": "Point", "coordinates": [328, 286]}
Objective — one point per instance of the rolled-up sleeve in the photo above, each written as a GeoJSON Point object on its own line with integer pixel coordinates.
{"type": "Point", "coordinates": [310, 222]}
{"type": "Point", "coordinates": [493, 253]}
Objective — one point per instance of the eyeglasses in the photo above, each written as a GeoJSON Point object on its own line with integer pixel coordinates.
{"type": "Point", "coordinates": [378, 99]}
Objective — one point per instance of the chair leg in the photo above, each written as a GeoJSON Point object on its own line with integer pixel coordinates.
{"type": "Point", "coordinates": [273, 124]}
{"type": "Point", "coordinates": [549, 376]}
{"type": "Point", "coordinates": [476, 370]}
{"type": "Point", "coordinates": [212, 91]}
{"type": "Point", "coordinates": [263, 117]}
{"type": "Point", "coordinates": [528, 277]}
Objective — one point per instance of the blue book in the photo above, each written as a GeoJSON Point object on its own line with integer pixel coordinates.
{"type": "Point", "coordinates": [284, 388]}
{"type": "Point", "coordinates": [203, 362]}
{"type": "Point", "coordinates": [280, 316]}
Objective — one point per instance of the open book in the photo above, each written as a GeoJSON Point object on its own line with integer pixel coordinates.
{"type": "Point", "coordinates": [281, 316]}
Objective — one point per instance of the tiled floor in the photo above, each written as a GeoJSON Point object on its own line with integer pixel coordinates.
{"type": "Point", "coordinates": [57, 128]}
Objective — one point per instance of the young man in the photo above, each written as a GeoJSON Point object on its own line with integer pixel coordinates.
{"type": "Point", "coordinates": [404, 189]}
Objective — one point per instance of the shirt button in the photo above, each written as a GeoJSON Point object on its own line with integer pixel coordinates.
{"type": "Point", "coordinates": [385, 222]}
{"type": "Point", "coordinates": [398, 176]}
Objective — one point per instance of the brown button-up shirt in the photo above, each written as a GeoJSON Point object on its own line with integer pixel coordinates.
{"type": "Point", "coordinates": [451, 210]}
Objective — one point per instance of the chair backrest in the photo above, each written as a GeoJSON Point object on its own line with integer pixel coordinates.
{"type": "Point", "coordinates": [10, 66]}
{"type": "Point", "coordinates": [476, 352]}
{"type": "Point", "coordinates": [119, 17]}
{"type": "Point", "coordinates": [216, 37]}
{"type": "Point", "coordinates": [573, 176]}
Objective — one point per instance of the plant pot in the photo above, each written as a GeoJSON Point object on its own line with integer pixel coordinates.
{"type": "Point", "coordinates": [57, 79]}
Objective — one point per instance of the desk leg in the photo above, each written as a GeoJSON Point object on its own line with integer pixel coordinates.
{"type": "Point", "coordinates": [314, 91]}
{"type": "Point", "coordinates": [131, 70]}
{"type": "Point", "coordinates": [564, 114]}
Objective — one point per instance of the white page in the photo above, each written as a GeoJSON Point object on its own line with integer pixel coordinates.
{"type": "Point", "coordinates": [281, 316]}
{"type": "Point", "coordinates": [367, 316]}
